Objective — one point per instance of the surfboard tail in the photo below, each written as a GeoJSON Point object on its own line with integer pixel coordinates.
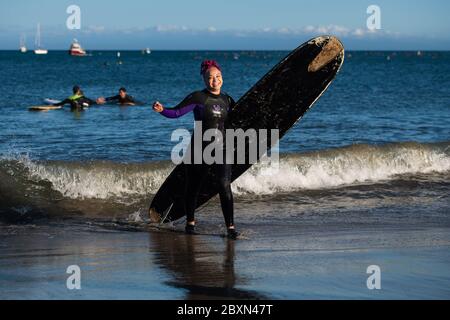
{"type": "Point", "coordinates": [154, 216]}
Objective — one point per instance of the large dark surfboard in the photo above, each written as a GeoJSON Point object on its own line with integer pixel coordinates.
{"type": "Point", "coordinates": [277, 101]}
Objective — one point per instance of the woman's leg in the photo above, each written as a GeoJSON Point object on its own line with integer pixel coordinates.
{"type": "Point", "coordinates": [226, 196]}
{"type": "Point", "coordinates": [195, 175]}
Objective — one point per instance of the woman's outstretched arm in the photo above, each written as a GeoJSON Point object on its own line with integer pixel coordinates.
{"type": "Point", "coordinates": [187, 105]}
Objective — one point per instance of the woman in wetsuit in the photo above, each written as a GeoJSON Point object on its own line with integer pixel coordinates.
{"type": "Point", "coordinates": [211, 107]}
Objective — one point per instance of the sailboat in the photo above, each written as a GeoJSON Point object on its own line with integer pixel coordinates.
{"type": "Point", "coordinates": [38, 49]}
{"type": "Point", "coordinates": [23, 48]}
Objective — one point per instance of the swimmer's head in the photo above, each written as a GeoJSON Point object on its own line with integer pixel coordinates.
{"type": "Point", "coordinates": [76, 89]}
{"type": "Point", "coordinates": [123, 92]}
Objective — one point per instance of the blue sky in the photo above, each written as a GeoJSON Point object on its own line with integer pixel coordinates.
{"type": "Point", "coordinates": [230, 24]}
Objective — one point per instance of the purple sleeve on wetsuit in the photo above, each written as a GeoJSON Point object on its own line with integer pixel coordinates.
{"type": "Point", "coordinates": [176, 113]}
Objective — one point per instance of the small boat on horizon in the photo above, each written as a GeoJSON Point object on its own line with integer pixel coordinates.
{"type": "Point", "coordinates": [76, 49]}
{"type": "Point", "coordinates": [38, 49]}
{"type": "Point", "coordinates": [146, 51]}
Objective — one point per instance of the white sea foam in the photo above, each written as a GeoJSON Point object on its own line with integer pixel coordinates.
{"type": "Point", "coordinates": [100, 181]}
{"type": "Point", "coordinates": [342, 167]}
{"type": "Point", "coordinates": [324, 169]}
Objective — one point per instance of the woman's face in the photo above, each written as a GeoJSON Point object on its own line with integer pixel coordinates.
{"type": "Point", "coordinates": [213, 79]}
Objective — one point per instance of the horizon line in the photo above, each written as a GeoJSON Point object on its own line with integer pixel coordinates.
{"type": "Point", "coordinates": [232, 50]}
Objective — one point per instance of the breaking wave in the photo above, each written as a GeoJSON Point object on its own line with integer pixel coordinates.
{"type": "Point", "coordinates": [315, 170]}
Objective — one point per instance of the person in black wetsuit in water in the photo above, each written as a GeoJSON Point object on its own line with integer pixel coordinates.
{"type": "Point", "coordinates": [77, 101]}
{"type": "Point", "coordinates": [211, 107]}
{"type": "Point", "coordinates": [123, 98]}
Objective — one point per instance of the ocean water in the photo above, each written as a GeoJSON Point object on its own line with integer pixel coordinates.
{"type": "Point", "coordinates": [371, 156]}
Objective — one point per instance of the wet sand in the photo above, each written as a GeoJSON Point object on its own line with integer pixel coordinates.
{"type": "Point", "coordinates": [276, 262]}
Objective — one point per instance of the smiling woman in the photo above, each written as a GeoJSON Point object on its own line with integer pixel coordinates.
{"type": "Point", "coordinates": [210, 107]}
{"type": "Point", "coordinates": [363, 179]}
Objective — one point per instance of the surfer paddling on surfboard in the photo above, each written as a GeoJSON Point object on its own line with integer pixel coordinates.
{"type": "Point", "coordinates": [211, 107]}
{"type": "Point", "coordinates": [77, 101]}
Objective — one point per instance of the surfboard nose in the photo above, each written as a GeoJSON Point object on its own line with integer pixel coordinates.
{"type": "Point", "coordinates": [330, 50]}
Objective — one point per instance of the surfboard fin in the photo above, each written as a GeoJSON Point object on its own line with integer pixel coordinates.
{"type": "Point", "coordinates": [165, 214]}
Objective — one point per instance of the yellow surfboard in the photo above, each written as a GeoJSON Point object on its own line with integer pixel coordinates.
{"type": "Point", "coordinates": [44, 108]}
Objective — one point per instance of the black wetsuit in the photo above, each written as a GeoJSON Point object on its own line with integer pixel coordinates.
{"type": "Point", "coordinates": [77, 103]}
{"type": "Point", "coordinates": [126, 100]}
{"type": "Point", "coordinates": [212, 110]}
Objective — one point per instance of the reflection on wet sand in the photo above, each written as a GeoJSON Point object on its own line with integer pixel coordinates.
{"type": "Point", "coordinates": [203, 267]}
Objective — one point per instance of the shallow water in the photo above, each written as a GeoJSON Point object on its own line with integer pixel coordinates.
{"type": "Point", "coordinates": [319, 262]}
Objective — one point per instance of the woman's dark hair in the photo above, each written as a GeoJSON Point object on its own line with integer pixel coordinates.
{"type": "Point", "coordinates": [123, 89]}
{"type": "Point", "coordinates": [208, 64]}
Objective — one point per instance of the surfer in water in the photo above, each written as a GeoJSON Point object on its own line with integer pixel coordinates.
{"type": "Point", "coordinates": [77, 101]}
{"type": "Point", "coordinates": [122, 98]}
{"type": "Point", "coordinates": [211, 107]}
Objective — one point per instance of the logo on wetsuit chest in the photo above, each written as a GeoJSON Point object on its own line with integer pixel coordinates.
{"type": "Point", "coordinates": [217, 110]}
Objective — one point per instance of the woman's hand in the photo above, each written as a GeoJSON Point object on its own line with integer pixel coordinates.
{"type": "Point", "coordinates": [157, 106]}
{"type": "Point", "coordinates": [100, 100]}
